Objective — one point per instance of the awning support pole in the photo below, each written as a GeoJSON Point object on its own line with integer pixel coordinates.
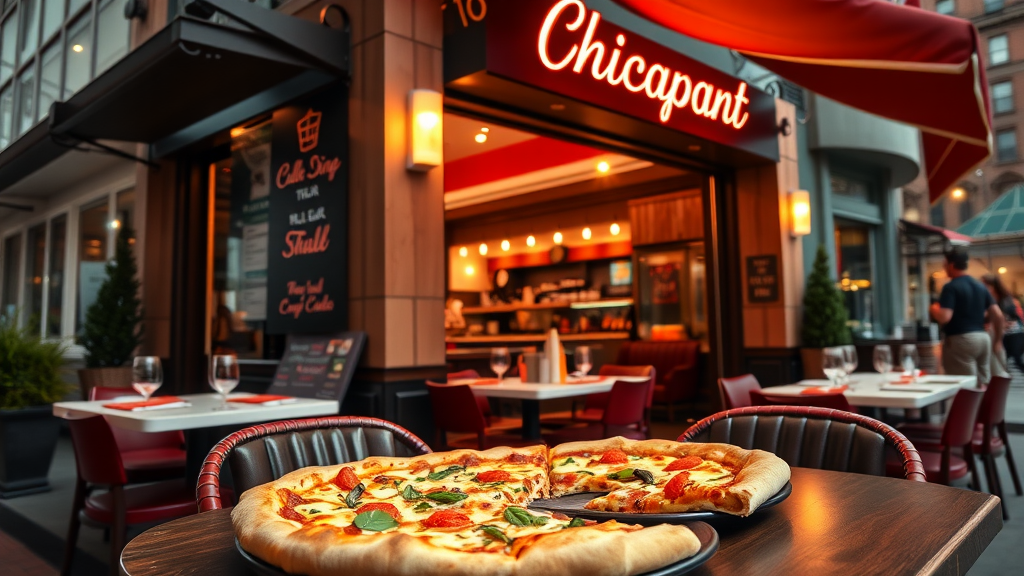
{"type": "Point", "coordinates": [102, 148]}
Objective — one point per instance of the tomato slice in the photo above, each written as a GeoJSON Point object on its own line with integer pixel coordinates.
{"type": "Point", "coordinates": [346, 478]}
{"type": "Point", "coordinates": [447, 519]}
{"type": "Point", "coordinates": [389, 509]}
{"type": "Point", "coordinates": [684, 463]}
{"type": "Point", "coordinates": [614, 457]}
{"type": "Point", "coordinates": [674, 488]}
{"type": "Point", "coordinates": [494, 476]}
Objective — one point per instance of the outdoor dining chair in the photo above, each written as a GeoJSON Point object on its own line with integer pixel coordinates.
{"type": "Point", "coordinates": [594, 404]}
{"type": "Point", "coordinates": [456, 411]}
{"type": "Point", "coordinates": [147, 456]}
{"type": "Point", "coordinates": [482, 401]}
{"type": "Point", "coordinates": [812, 437]}
{"type": "Point", "coordinates": [266, 452]}
{"type": "Point", "coordinates": [624, 415]}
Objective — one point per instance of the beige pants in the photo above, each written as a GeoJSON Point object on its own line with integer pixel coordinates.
{"type": "Point", "coordinates": [968, 355]}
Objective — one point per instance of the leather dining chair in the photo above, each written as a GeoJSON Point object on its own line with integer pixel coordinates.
{"type": "Point", "coordinates": [147, 456]}
{"type": "Point", "coordinates": [812, 437]}
{"type": "Point", "coordinates": [833, 401]}
{"type": "Point", "coordinates": [624, 415]}
{"type": "Point", "coordinates": [265, 452]}
{"type": "Point", "coordinates": [594, 404]}
{"type": "Point", "coordinates": [98, 463]}
{"type": "Point", "coordinates": [482, 401]}
{"type": "Point", "coordinates": [456, 411]}
{"type": "Point", "coordinates": [736, 391]}
{"type": "Point", "coordinates": [677, 363]}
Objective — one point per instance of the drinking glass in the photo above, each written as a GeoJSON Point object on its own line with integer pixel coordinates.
{"type": "Point", "coordinates": [224, 376]}
{"type": "Point", "coordinates": [849, 360]}
{"type": "Point", "coordinates": [832, 364]}
{"type": "Point", "coordinates": [909, 358]}
{"type": "Point", "coordinates": [147, 375]}
{"type": "Point", "coordinates": [500, 361]}
{"type": "Point", "coordinates": [583, 360]}
{"type": "Point", "coordinates": [883, 359]}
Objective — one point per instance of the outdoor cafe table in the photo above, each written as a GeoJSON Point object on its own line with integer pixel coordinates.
{"type": "Point", "coordinates": [196, 420]}
{"type": "Point", "coordinates": [531, 394]}
{"type": "Point", "coordinates": [834, 523]}
{"type": "Point", "coordinates": [878, 391]}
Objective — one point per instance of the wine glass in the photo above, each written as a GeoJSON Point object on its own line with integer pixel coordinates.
{"type": "Point", "coordinates": [849, 360]}
{"type": "Point", "coordinates": [500, 361]}
{"type": "Point", "coordinates": [909, 359]}
{"type": "Point", "coordinates": [832, 364]}
{"type": "Point", "coordinates": [147, 375]}
{"type": "Point", "coordinates": [883, 359]}
{"type": "Point", "coordinates": [224, 376]}
{"type": "Point", "coordinates": [583, 360]}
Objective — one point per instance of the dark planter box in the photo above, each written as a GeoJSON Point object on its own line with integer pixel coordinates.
{"type": "Point", "coordinates": [28, 439]}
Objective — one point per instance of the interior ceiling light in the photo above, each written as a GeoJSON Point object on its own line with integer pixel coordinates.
{"type": "Point", "coordinates": [485, 129]}
{"type": "Point", "coordinates": [470, 270]}
{"type": "Point", "coordinates": [78, 48]}
{"type": "Point", "coordinates": [586, 233]}
{"type": "Point", "coordinates": [483, 249]}
{"type": "Point", "coordinates": [1002, 269]}
{"type": "Point", "coordinates": [558, 238]}
{"type": "Point", "coordinates": [531, 241]}
{"type": "Point", "coordinates": [603, 166]}
{"type": "Point", "coordinates": [463, 252]}
{"type": "Point", "coordinates": [480, 138]}
{"type": "Point", "coordinates": [506, 245]}
{"type": "Point", "coordinates": [614, 229]}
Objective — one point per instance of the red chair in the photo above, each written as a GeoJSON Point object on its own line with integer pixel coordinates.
{"type": "Point", "coordinates": [677, 365]}
{"type": "Point", "coordinates": [832, 401]}
{"type": "Point", "coordinates": [941, 465]}
{"type": "Point", "coordinates": [594, 404]}
{"type": "Point", "coordinates": [147, 456]}
{"type": "Point", "coordinates": [98, 461]}
{"type": "Point", "coordinates": [485, 405]}
{"type": "Point", "coordinates": [456, 411]}
{"type": "Point", "coordinates": [624, 416]}
{"type": "Point", "coordinates": [736, 391]}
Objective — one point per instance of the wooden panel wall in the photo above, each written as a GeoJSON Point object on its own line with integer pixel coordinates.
{"type": "Point", "coordinates": [669, 218]}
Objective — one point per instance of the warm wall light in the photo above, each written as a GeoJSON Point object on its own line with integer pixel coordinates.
{"type": "Point", "coordinates": [603, 166]}
{"type": "Point", "coordinates": [1002, 269]}
{"type": "Point", "coordinates": [425, 126]}
{"type": "Point", "coordinates": [463, 251]}
{"type": "Point", "coordinates": [958, 193]}
{"type": "Point", "coordinates": [531, 241]}
{"type": "Point", "coordinates": [480, 138]}
{"type": "Point", "coordinates": [800, 213]}
{"type": "Point", "coordinates": [115, 224]}
{"type": "Point", "coordinates": [483, 249]}
{"type": "Point", "coordinates": [506, 245]}
{"type": "Point", "coordinates": [586, 233]}
{"type": "Point", "coordinates": [470, 270]}
{"type": "Point", "coordinates": [615, 229]}
{"type": "Point", "coordinates": [77, 48]}
{"type": "Point", "coordinates": [557, 238]}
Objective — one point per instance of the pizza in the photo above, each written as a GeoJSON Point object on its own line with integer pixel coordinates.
{"type": "Point", "coordinates": [454, 513]}
{"type": "Point", "coordinates": [661, 476]}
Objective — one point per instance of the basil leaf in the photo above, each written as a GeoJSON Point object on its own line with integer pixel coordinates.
{"type": "Point", "coordinates": [644, 475]}
{"type": "Point", "coordinates": [519, 517]}
{"type": "Point", "coordinates": [410, 493]}
{"type": "Point", "coordinates": [352, 500]}
{"type": "Point", "coordinates": [495, 533]}
{"type": "Point", "coordinates": [447, 497]}
{"type": "Point", "coordinates": [442, 474]}
{"type": "Point", "coordinates": [421, 478]}
{"type": "Point", "coordinates": [624, 474]}
{"type": "Point", "coordinates": [568, 460]}
{"type": "Point", "coordinates": [577, 522]}
{"type": "Point", "coordinates": [398, 483]}
{"type": "Point", "coordinates": [375, 521]}
{"type": "Point", "coordinates": [422, 506]}
{"type": "Point", "coordinates": [520, 489]}
{"type": "Point", "coordinates": [587, 472]}
{"type": "Point", "coordinates": [314, 511]}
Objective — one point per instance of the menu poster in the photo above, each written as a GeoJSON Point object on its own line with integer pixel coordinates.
{"type": "Point", "coordinates": [307, 260]}
{"type": "Point", "coordinates": [318, 366]}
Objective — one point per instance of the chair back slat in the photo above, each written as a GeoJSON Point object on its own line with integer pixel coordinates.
{"type": "Point", "coordinates": [993, 404]}
{"type": "Point", "coordinates": [96, 452]}
{"type": "Point", "coordinates": [736, 391]}
{"type": "Point", "coordinates": [833, 401]}
{"type": "Point", "coordinates": [959, 427]}
{"type": "Point", "coordinates": [626, 403]}
{"type": "Point", "coordinates": [455, 408]}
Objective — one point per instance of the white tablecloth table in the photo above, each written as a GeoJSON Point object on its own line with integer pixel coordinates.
{"type": "Point", "coordinates": [875, 390]}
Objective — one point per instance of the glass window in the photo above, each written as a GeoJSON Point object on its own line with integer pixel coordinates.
{"type": "Point", "coordinates": [35, 260]}
{"type": "Point", "coordinates": [26, 99]}
{"type": "Point", "coordinates": [1006, 145]}
{"type": "Point", "coordinates": [1002, 97]}
{"type": "Point", "coordinates": [856, 274]}
{"type": "Point", "coordinates": [945, 6]}
{"type": "Point", "coordinates": [6, 116]}
{"type": "Point", "coordinates": [53, 17]}
{"type": "Point", "coordinates": [112, 32]}
{"type": "Point", "coordinates": [966, 209]}
{"type": "Point", "coordinates": [937, 217]}
{"type": "Point", "coordinates": [29, 40]}
{"type": "Point", "coordinates": [993, 5]}
{"type": "Point", "coordinates": [849, 187]}
{"type": "Point", "coordinates": [75, 5]}
{"type": "Point", "coordinates": [8, 47]}
{"type": "Point", "coordinates": [998, 50]}
{"type": "Point", "coordinates": [49, 80]}
{"type": "Point", "coordinates": [126, 212]}
{"type": "Point", "coordinates": [55, 287]}
{"type": "Point", "coordinates": [92, 255]}
{"type": "Point", "coordinates": [78, 70]}
{"type": "Point", "coordinates": [673, 302]}
{"type": "Point", "coordinates": [12, 266]}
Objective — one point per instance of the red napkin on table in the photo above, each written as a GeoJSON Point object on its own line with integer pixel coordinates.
{"type": "Point", "coordinates": [586, 380]}
{"type": "Point", "coordinates": [144, 404]}
{"type": "Point", "coordinates": [485, 381]}
{"type": "Point", "coordinates": [824, 390]}
{"type": "Point", "coordinates": [263, 399]}
{"type": "Point", "coordinates": [906, 379]}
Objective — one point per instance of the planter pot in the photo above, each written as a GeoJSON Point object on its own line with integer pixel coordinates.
{"type": "Point", "coordinates": [811, 358]}
{"type": "Point", "coordinates": [117, 377]}
{"type": "Point", "coordinates": [28, 439]}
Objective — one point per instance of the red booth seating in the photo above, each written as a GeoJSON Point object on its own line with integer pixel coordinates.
{"type": "Point", "coordinates": [676, 366]}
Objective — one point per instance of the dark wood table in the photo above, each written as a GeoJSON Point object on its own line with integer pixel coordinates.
{"type": "Point", "coordinates": [834, 523]}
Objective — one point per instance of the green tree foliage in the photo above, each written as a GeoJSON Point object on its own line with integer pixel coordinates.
{"type": "Point", "coordinates": [825, 314]}
{"type": "Point", "coordinates": [113, 324]}
{"type": "Point", "coordinates": [29, 367]}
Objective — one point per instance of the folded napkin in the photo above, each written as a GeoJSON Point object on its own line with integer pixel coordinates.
{"type": "Point", "coordinates": [484, 381]}
{"type": "Point", "coordinates": [264, 399]}
{"type": "Point", "coordinates": [585, 380]}
{"type": "Point", "coordinates": [823, 390]}
{"type": "Point", "coordinates": [162, 403]}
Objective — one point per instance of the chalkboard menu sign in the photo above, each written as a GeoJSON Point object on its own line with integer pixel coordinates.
{"type": "Point", "coordinates": [763, 279]}
{"type": "Point", "coordinates": [319, 366]}
{"type": "Point", "coordinates": [307, 271]}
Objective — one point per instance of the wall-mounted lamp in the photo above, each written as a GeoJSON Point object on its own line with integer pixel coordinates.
{"type": "Point", "coordinates": [800, 213]}
{"type": "Point", "coordinates": [425, 125]}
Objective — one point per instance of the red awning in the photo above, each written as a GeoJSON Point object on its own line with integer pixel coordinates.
{"type": "Point", "coordinates": [895, 61]}
{"type": "Point", "coordinates": [919, 229]}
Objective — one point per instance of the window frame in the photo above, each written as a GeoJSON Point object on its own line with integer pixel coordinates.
{"type": "Point", "coordinates": [991, 60]}
{"type": "Point", "coordinates": [995, 107]}
{"type": "Point", "coordinates": [988, 8]}
{"type": "Point", "coordinates": [950, 3]}
{"type": "Point", "coordinates": [1016, 146]}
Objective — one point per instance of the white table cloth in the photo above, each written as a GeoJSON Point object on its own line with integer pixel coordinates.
{"type": "Point", "coordinates": [879, 391]}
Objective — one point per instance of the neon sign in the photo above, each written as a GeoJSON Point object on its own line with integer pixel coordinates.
{"type": "Point", "coordinates": [673, 88]}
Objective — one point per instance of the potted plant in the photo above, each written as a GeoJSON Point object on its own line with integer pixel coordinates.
{"type": "Point", "coordinates": [30, 380]}
{"type": "Point", "coordinates": [113, 324]}
{"type": "Point", "coordinates": [825, 316]}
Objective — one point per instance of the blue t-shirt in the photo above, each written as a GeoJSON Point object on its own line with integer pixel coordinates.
{"type": "Point", "coordinates": [969, 300]}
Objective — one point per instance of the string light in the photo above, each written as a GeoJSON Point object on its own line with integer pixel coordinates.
{"type": "Point", "coordinates": [506, 245]}
{"type": "Point", "coordinates": [586, 233]}
{"type": "Point", "coordinates": [531, 241]}
{"type": "Point", "coordinates": [558, 238]}
{"type": "Point", "coordinates": [483, 249]}
{"type": "Point", "coordinates": [463, 251]}
{"type": "Point", "coordinates": [615, 229]}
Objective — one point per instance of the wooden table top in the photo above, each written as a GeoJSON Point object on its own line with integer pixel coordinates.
{"type": "Point", "coordinates": [834, 523]}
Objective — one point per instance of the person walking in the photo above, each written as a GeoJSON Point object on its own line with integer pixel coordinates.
{"type": "Point", "coordinates": [1013, 325]}
{"type": "Point", "coordinates": [963, 309]}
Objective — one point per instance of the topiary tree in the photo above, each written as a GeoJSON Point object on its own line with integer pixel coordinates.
{"type": "Point", "coordinates": [113, 324]}
{"type": "Point", "coordinates": [825, 314]}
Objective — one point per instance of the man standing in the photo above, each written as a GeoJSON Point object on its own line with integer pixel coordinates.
{"type": "Point", "coordinates": [964, 306]}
